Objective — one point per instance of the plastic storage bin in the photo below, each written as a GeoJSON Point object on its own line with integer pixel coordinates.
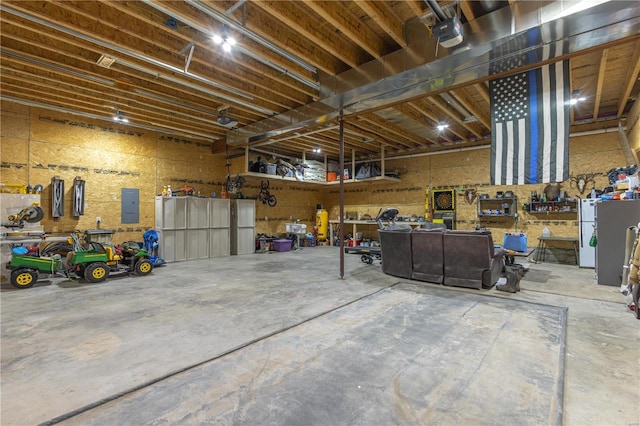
{"type": "Point", "coordinates": [515, 241]}
{"type": "Point", "coordinates": [282, 245]}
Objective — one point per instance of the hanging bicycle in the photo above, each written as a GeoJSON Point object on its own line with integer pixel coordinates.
{"type": "Point", "coordinates": [265, 196]}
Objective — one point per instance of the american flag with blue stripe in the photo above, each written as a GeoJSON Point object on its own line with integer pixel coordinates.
{"type": "Point", "coordinates": [530, 126]}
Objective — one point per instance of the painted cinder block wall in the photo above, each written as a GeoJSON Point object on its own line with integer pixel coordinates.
{"type": "Point", "coordinates": [38, 144]}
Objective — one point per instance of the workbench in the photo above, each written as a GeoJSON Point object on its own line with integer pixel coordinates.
{"type": "Point", "coordinates": [543, 241]}
{"type": "Point", "coordinates": [355, 223]}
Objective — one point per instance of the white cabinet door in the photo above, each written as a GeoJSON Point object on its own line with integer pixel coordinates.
{"type": "Point", "coordinates": [172, 245]}
{"type": "Point", "coordinates": [219, 213]}
{"type": "Point", "coordinates": [197, 244]}
{"type": "Point", "coordinates": [197, 213]}
{"type": "Point", "coordinates": [219, 242]}
{"type": "Point", "coordinates": [171, 212]}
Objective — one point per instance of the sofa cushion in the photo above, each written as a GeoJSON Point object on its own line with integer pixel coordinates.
{"type": "Point", "coordinates": [395, 246]}
{"type": "Point", "coordinates": [470, 259]}
{"type": "Point", "coordinates": [427, 255]}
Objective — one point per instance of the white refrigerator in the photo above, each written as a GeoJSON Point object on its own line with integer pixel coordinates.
{"type": "Point", "coordinates": [587, 216]}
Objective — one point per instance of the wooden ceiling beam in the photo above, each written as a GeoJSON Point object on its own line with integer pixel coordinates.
{"type": "Point", "coordinates": [600, 83]}
{"type": "Point", "coordinates": [146, 83]}
{"type": "Point", "coordinates": [157, 47]}
{"type": "Point", "coordinates": [483, 90]}
{"type": "Point", "coordinates": [300, 22]}
{"type": "Point", "coordinates": [384, 16]}
{"type": "Point", "coordinates": [181, 12]}
{"type": "Point", "coordinates": [203, 42]}
{"type": "Point", "coordinates": [364, 129]}
{"type": "Point", "coordinates": [396, 129]}
{"type": "Point", "coordinates": [472, 106]}
{"type": "Point", "coordinates": [262, 97]}
{"type": "Point", "coordinates": [340, 17]}
{"type": "Point", "coordinates": [418, 117]}
{"type": "Point", "coordinates": [444, 107]}
{"type": "Point", "coordinates": [416, 7]}
{"type": "Point", "coordinates": [422, 108]}
{"type": "Point", "coordinates": [632, 75]}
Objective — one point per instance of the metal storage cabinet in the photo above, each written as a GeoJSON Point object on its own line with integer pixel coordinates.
{"type": "Point", "coordinates": [171, 212]}
{"type": "Point", "coordinates": [171, 224]}
{"type": "Point", "coordinates": [172, 244]}
{"type": "Point", "coordinates": [197, 242]}
{"type": "Point", "coordinates": [219, 222]}
{"type": "Point", "coordinates": [612, 220]}
{"type": "Point", "coordinates": [243, 219]}
{"type": "Point", "coordinates": [197, 213]}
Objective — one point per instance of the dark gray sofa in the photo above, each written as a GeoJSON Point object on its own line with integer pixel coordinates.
{"type": "Point", "coordinates": [449, 257]}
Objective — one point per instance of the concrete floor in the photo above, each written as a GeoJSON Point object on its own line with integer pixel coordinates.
{"type": "Point", "coordinates": [84, 353]}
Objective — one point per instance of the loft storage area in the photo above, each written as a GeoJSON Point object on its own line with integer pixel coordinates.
{"type": "Point", "coordinates": [314, 171]}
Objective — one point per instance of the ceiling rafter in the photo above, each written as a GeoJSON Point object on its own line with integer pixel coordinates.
{"type": "Point", "coordinates": [600, 83]}
{"type": "Point", "coordinates": [293, 17]}
{"type": "Point", "coordinates": [444, 107]}
{"type": "Point", "coordinates": [334, 13]}
{"type": "Point", "coordinates": [631, 79]}
{"type": "Point", "coordinates": [116, 78]}
{"type": "Point", "coordinates": [472, 106]}
{"type": "Point", "coordinates": [384, 16]}
{"type": "Point", "coordinates": [426, 110]}
{"type": "Point", "coordinates": [169, 54]}
{"type": "Point", "coordinates": [190, 34]}
{"type": "Point", "coordinates": [393, 128]}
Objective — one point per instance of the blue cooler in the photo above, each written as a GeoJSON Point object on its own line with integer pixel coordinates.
{"type": "Point", "coordinates": [515, 241]}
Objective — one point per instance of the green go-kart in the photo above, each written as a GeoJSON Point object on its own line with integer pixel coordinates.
{"type": "Point", "coordinates": [95, 264]}
{"type": "Point", "coordinates": [25, 270]}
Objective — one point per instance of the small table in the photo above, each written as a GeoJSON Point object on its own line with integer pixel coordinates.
{"type": "Point", "coordinates": [540, 254]}
{"type": "Point", "coordinates": [510, 255]}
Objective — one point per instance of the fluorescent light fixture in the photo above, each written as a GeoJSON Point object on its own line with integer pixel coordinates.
{"type": "Point", "coordinates": [574, 101]}
{"type": "Point", "coordinates": [442, 126]}
{"type": "Point", "coordinates": [317, 149]}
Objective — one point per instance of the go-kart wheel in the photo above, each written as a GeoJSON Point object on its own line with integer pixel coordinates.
{"type": "Point", "coordinates": [143, 267]}
{"type": "Point", "coordinates": [366, 259]}
{"type": "Point", "coordinates": [23, 278]}
{"type": "Point", "coordinates": [96, 272]}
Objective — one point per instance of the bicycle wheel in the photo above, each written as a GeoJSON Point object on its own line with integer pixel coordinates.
{"type": "Point", "coordinates": [272, 200]}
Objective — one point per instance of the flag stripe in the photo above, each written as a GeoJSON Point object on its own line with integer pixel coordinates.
{"type": "Point", "coordinates": [533, 150]}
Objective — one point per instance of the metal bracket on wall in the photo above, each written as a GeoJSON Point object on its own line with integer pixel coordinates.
{"type": "Point", "coordinates": [78, 196]}
{"type": "Point", "coordinates": [57, 197]}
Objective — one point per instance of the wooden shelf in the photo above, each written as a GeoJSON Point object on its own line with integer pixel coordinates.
{"type": "Point", "coordinates": [373, 180]}
{"type": "Point", "coordinates": [497, 204]}
{"type": "Point", "coordinates": [533, 205]}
